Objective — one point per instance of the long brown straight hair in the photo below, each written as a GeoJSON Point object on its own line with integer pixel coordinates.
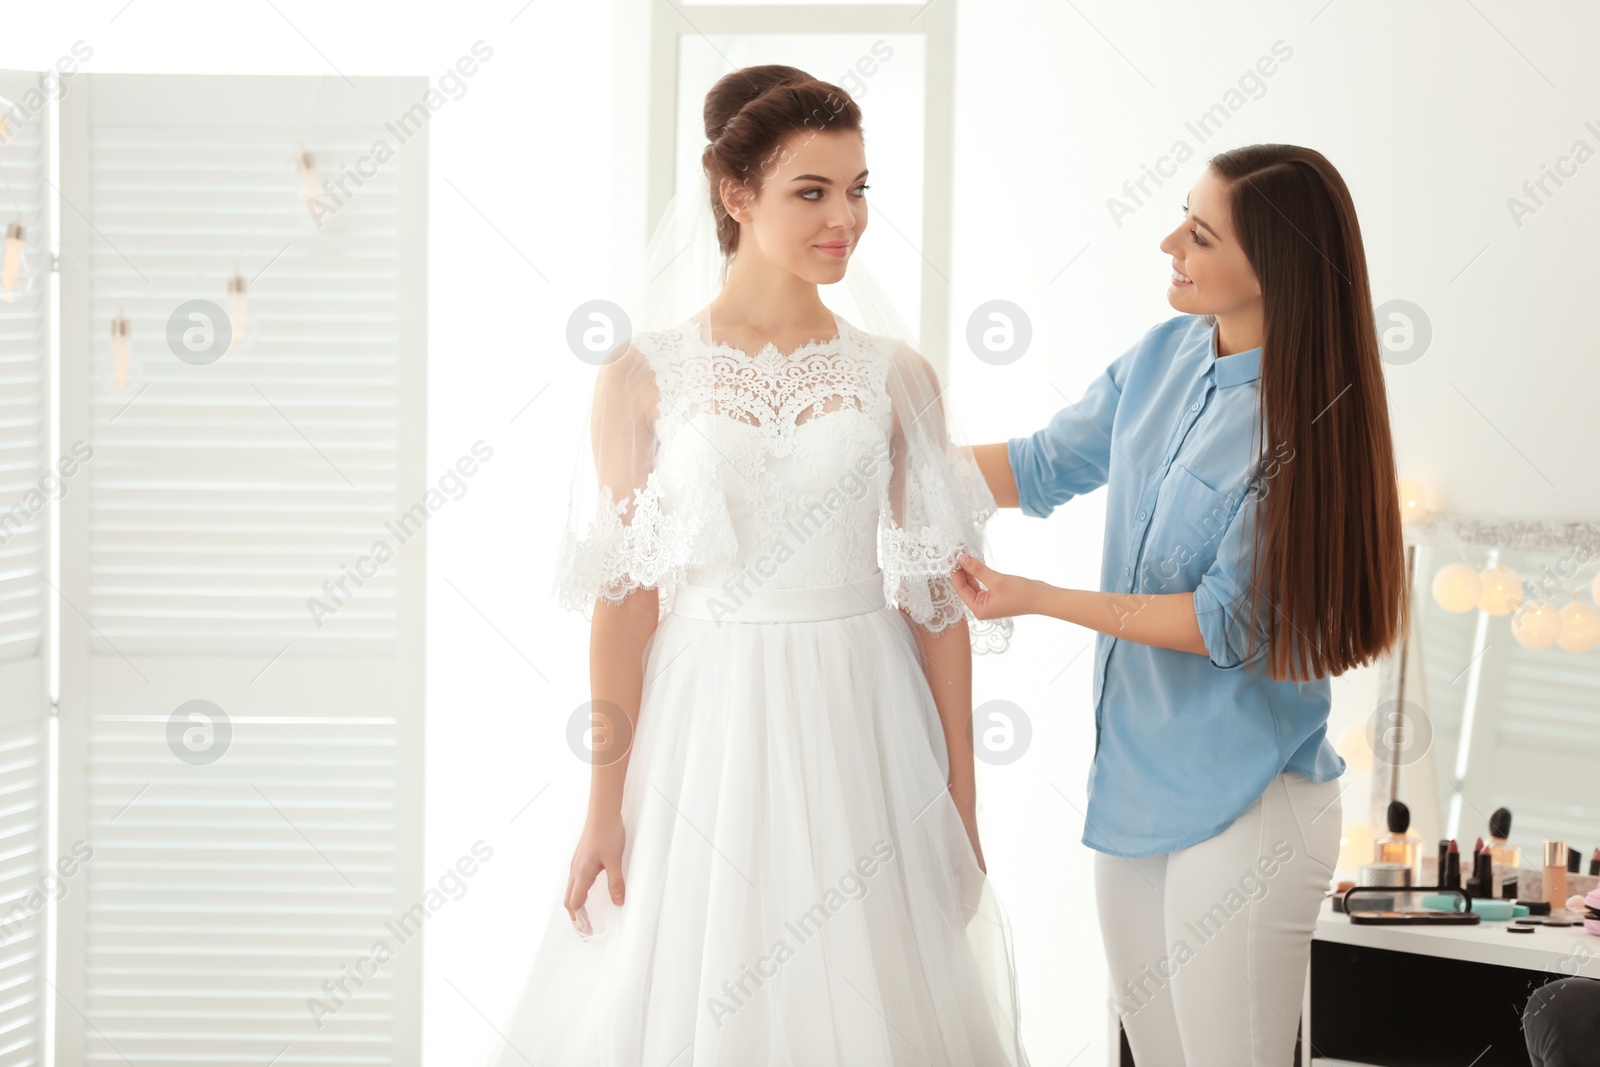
{"type": "Point", "coordinates": [1329, 556]}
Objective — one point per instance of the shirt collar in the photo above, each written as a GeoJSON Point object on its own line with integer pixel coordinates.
{"type": "Point", "coordinates": [1236, 369]}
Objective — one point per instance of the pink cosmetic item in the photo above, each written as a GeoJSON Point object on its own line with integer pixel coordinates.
{"type": "Point", "coordinates": [1591, 912]}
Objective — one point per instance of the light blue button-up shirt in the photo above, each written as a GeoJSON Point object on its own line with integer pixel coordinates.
{"type": "Point", "coordinates": [1183, 743]}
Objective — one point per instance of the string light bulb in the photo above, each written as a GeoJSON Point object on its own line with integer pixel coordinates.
{"type": "Point", "coordinates": [1501, 590]}
{"type": "Point", "coordinates": [1580, 627]}
{"type": "Point", "coordinates": [238, 304]}
{"type": "Point", "coordinates": [11, 273]}
{"type": "Point", "coordinates": [121, 349]}
{"type": "Point", "coordinates": [1536, 624]}
{"type": "Point", "coordinates": [308, 179]}
{"type": "Point", "coordinates": [1412, 504]}
{"type": "Point", "coordinates": [1456, 588]}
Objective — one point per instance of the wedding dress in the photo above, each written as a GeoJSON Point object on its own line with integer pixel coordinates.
{"type": "Point", "coordinates": [801, 890]}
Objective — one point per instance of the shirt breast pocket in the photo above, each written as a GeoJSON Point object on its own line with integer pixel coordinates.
{"type": "Point", "coordinates": [1185, 530]}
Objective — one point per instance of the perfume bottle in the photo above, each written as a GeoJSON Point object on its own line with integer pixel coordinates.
{"type": "Point", "coordinates": [1501, 852]}
{"type": "Point", "coordinates": [1401, 844]}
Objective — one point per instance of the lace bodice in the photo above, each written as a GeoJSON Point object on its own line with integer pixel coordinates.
{"type": "Point", "coordinates": [772, 470]}
{"type": "Point", "coordinates": [797, 446]}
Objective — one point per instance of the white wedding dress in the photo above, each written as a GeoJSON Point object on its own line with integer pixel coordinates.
{"type": "Point", "coordinates": [800, 888]}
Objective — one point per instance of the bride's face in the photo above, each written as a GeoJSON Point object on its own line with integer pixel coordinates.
{"type": "Point", "coordinates": [1217, 276]}
{"type": "Point", "coordinates": [811, 208]}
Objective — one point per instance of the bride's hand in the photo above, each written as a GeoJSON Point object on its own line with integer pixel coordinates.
{"type": "Point", "coordinates": [599, 849]}
{"type": "Point", "coordinates": [1005, 595]}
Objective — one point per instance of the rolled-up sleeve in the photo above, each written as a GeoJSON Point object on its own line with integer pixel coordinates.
{"type": "Point", "coordinates": [1222, 597]}
{"type": "Point", "coordinates": [1072, 454]}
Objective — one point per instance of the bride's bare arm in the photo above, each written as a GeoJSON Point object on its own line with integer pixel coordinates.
{"type": "Point", "coordinates": [995, 464]}
{"type": "Point", "coordinates": [621, 427]}
{"type": "Point", "coordinates": [947, 663]}
{"type": "Point", "coordinates": [617, 639]}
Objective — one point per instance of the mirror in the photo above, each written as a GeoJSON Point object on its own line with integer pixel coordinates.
{"type": "Point", "coordinates": [1510, 701]}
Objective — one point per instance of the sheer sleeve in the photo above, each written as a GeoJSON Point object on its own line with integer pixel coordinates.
{"type": "Point", "coordinates": [642, 513]}
{"type": "Point", "coordinates": [937, 504]}
{"type": "Point", "coordinates": [615, 531]}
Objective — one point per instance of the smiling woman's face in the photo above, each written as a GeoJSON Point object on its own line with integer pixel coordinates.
{"type": "Point", "coordinates": [1216, 277]}
{"type": "Point", "coordinates": [811, 209]}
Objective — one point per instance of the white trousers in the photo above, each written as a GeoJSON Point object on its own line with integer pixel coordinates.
{"type": "Point", "coordinates": [1209, 946]}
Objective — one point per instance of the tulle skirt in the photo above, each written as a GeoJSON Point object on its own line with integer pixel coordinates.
{"type": "Point", "coordinates": [800, 889]}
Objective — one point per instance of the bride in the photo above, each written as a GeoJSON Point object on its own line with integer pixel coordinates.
{"type": "Point", "coordinates": [780, 863]}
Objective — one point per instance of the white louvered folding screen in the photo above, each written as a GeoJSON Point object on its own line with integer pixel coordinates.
{"type": "Point", "coordinates": [25, 493]}
{"type": "Point", "coordinates": [248, 776]}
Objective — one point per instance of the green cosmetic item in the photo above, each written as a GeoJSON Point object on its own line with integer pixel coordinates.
{"type": "Point", "coordinates": [1492, 910]}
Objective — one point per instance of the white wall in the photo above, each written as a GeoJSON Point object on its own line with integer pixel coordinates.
{"type": "Point", "coordinates": [1435, 113]}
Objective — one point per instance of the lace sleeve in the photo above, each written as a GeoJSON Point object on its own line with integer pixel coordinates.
{"type": "Point", "coordinates": [936, 505]}
{"type": "Point", "coordinates": [631, 524]}
{"type": "Point", "coordinates": [614, 520]}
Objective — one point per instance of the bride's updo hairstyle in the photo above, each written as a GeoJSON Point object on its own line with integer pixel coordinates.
{"type": "Point", "coordinates": [749, 115]}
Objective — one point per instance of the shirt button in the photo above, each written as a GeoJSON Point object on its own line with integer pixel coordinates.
{"type": "Point", "coordinates": [1195, 406]}
{"type": "Point", "coordinates": [1141, 516]}
{"type": "Point", "coordinates": [1127, 570]}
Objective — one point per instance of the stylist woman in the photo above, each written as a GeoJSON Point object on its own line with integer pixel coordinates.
{"type": "Point", "coordinates": [1252, 549]}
